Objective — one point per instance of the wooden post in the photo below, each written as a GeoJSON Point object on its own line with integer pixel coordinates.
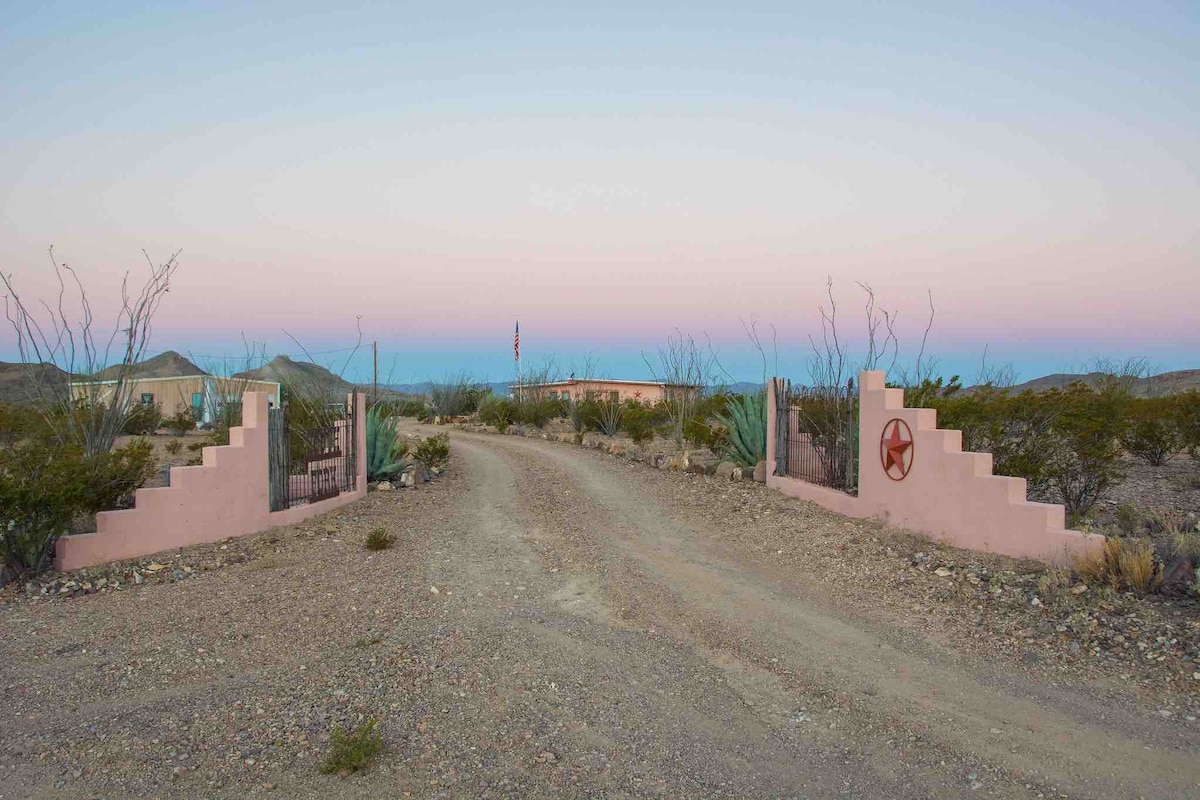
{"type": "Point", "coordinates": [851, 443]}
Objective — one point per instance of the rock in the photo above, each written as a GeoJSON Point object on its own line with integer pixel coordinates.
{"type": "Point", "coordinates": [614, 449]}
{"type": "Point", "coordinates": [385, 486]}
{"type": "Point", "coordinates": [736, 475]}
{"type": "Point", "coordinates": [942, 572]}
{"type": "Point", "coordinates": [1079, 588]}
{"type": "Point", "coordinates": [678, 463]}
{"type": "Point", "coordinates": [725, 469]}
{"type": "Point", "coordinates": [434, 590]}
{"type": "Point", "coordinates": [760, 472]}
{"type": "Point", "coordinates": [696, 468]}
{"type": "Point", "coordinates": [545, 757]}
{"type": "Point", "coordinates": [138, 579]}
{"type": "Point", "coordinates": [1035, 602]}
{"type": "Point", "coordinates": [154, 567]}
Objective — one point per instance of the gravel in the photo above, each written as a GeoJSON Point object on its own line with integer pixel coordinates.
{"type": "Point", "coordinates": [559, 622]}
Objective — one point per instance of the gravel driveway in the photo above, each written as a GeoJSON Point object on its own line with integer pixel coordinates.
{"type": "Point", "coordinates": [555, 623]}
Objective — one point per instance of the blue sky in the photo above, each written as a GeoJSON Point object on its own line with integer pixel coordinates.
{"type": "Point", "coordinates": [607, 175]}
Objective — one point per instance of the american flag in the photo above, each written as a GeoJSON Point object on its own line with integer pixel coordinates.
{"type": "Point", "coordinates": [517, 342]}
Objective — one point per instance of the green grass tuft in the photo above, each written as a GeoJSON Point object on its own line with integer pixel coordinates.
{"type": "Point", "coordinates": [353, 750]}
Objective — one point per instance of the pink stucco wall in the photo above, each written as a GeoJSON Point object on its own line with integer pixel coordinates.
{"type": "Point", "coordinates": [226, 495]}
{"type": "Point", "coordinates": [948, 494]}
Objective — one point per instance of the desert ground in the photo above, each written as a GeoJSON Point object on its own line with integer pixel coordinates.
{"type": "Point", "coordinates": [554, 622]}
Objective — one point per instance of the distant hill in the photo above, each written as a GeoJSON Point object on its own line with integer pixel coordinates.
{"type": "Point", "coordinates": [1167, 383]}
{"type": "Point", "coordinates": [296, 373]}
{"type": "Point", "coordinates": [17, 380]}
{"type": "Point", "coordinates": [164, 365]}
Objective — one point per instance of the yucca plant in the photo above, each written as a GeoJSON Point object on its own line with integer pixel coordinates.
{"type": "Point", "coordinates": [385, 458]}
{"type": "Point", "coordinates": [745, 420]}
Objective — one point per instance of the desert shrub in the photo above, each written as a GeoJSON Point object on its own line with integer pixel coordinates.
{"type": "Point", "coordinates": [745, 422]}
{"type": "Point", "coordinates": [40, 494]}
{"type": "Point", "coordinates": [18, 422]}
{"type": "Point", "coordinates": [350, 751]}
{"type": "Point", "coordinates": [379, 539]}
{"type": "Point", "coordinates": [410, 407]}
{"type": "Point", "coordinates": [174, 447]}
{"type": "Point", "coordinates": [180, 423]}
{"type": "Point", "coordinates": [385, 457]}
{"type": "Point", "coordinates": [499, 412]}
{"type": "Point", "coordinates": [143, 420]}
{"type": "Point", "coordinates": [1185, 411]}
{"type": "Point", "coordinates": [536, 411]}
{"type": "Point", "coordinates": [603, 416]}
{"type": "Point", "coordinates": [639, 420]}
{"type": "Point", "coordinates": [434, 451]}
{"type": "Point", "coordinates": [1124, 563]}
{"type": "Point", "coordinates": [1084, 460]}
{"type": "Point", "coordinates": [45, 486]}
{"type": "Point", "coordinates": [1128, 518]}
{"type": "Point", "coordinates": [457, 396]}
{"type": "Point", "coordinates": [1153, 433]}
{"type": "Point", "coordinates": [110, 479]}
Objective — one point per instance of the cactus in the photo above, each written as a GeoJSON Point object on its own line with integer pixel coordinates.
{"type": "Point", "coordinates": [384, 457]}
{"type": "Point", "coordinates": [745, 419]}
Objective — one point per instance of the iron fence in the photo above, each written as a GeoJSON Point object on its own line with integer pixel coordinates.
{"type": "Point", "coordinates": [817, 435]}
{"type": "Point", "coordinates": [315, 460]}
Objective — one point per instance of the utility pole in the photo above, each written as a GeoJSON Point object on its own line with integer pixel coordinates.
{"type": "Point", "coordinates": [375, 358]}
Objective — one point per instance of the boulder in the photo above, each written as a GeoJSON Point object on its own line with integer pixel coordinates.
{"type": "Point", "coordinates": [385, 486]}
{"type": "Point", "coordinates": [760, 472]}
{"type": "Point", "coordinates": [696, 468]}
{"type": "Point", "coordinates": [678, 463]}
{"type": "Point", "coordinates": [725, 469]}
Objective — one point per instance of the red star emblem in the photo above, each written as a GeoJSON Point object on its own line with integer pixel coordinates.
{"type": "Point", "coordinates": [893, 447]}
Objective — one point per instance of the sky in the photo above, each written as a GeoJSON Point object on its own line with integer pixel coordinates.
{"type": "Point", "coordinates": [609, 173]}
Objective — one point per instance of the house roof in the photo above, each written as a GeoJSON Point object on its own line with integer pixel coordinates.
{"type": "Point", "coordinates": [579, 381]}
{"type": "Point", "coordinates": [133, 380]}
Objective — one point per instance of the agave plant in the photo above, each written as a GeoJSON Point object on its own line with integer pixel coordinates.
{"type": "Point", "coordinates": [384, 457]}
{"type": "Point", "coordinates": [745, 419]}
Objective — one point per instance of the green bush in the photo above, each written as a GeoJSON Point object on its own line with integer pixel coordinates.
{"type": "Point", "coordinates": [1084, 463]}
{"type": "Point", "coordinates": [1153, 433]}
{"type": "Point", "coordinates": [745, 421]}
{"type": "Point", "coordinates": [1186, 411]}
{"type": "Point", "coordinates": [434, 451]}
{"type": "Point", "coordinates": [143, 420]}
{"type": "Point", "coordinates": [537, 412]}
{"type": "Point", "coordinates": [640, 420]}
{"type": "Point", "coordinates": [410, 407]}
{"type": "Point", "coordinates": [499, 412]}
{"type": "Point", "coordinates": [46, 486]}
{"type": "Point", "coordinates": [180, 423]}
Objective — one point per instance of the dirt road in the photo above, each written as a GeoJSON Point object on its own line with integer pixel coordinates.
{"type": "Point", "coordinates": [552, 623]}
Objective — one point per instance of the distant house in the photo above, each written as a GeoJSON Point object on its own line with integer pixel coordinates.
{"type": "Point", "coordinates": [201, 395]}
{"type": "Point", "coordinates": [601, 389]}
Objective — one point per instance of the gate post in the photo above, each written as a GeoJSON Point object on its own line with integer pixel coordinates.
{"type": "Point", "coordinates": [772, 427]}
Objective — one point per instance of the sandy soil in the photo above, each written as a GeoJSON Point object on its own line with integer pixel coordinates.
{"type": "Point", "coordinates": [598, 629]}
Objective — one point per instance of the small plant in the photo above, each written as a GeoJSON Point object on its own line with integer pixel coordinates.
{"type": "Point", "coordinates": [379, 539]}
{"type": "Point", "coordinates": [350, 751]}
{"type": "Point", "coordinates": [499, 412]}
{"type": "Point", "coordinates": [180, 423]}
{"type": "Point", "coordinates": [434, 451]}
{"type": "Point", "coordinates": [174, 447]}
{"type": "Point", "coordinates": [366, 642]}
{"type": "Point", "coordinates": [1129, 521]}
{"type": "Point", "coordinates": [384, 456]}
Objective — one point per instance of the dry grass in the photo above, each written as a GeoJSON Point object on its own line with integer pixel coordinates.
{"type": "Point", "coordinates": [1125, 564]}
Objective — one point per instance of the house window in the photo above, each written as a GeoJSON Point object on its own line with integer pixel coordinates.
{"type": "Point", "coordinates": [147, 399]}
{"type": "Point", "coordinates": [197, 405]}
{"type": "Point", "coordinates": [566, 395]}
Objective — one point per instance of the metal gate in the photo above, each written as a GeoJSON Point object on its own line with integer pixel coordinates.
{"type": "Point", "coordinates": [312, 452]}
{"type": "Point", "coordinates": [816, 435]}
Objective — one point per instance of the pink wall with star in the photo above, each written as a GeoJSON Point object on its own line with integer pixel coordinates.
{"type": "Point", "coordinates": [915, 475]}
